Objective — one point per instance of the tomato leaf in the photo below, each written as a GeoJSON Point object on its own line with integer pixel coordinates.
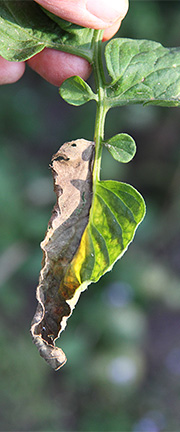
{"type": "Point", "coordinates": [76, 91]}
{"type": "Point", "coordinates": [122, 147]}
{"type": "Point", "coordinates": [142, 72]}
{"type": "Point", "coordinates": [25, 30]}
{"type": "Point", "coordinates": [86, 235]}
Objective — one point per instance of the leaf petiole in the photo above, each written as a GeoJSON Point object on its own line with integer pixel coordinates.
{"type": "Point", "coordinates": [102, 108]}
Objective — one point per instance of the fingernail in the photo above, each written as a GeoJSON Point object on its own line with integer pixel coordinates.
{"type": "Point", "coordinates": [107, 10]}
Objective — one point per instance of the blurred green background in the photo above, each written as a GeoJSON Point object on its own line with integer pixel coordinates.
{"type": "Point", "coordinates": [123, 339]}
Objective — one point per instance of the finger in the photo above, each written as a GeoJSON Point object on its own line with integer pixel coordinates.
{"type": "Point", "coordinates": [56, 66]}
{"type": "Point", "coordinates": [111, 31]}
{"type": "Point", "coordinates": [10, 72]}
{"type": "Point", "coordinates": [98, 14]}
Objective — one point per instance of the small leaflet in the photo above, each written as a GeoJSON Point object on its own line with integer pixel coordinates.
{"type": "Point", "coordinates": [72, 173]}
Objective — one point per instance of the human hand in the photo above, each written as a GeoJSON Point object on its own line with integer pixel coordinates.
{"type": "Point", "coordinates": [56, 66]}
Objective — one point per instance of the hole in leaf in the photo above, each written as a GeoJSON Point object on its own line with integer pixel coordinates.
{"type": "Point", "coordinates": [60, 158]}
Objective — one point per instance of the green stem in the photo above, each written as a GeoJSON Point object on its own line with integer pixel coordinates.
{"type": "Point", "coordinates": [101, 103]}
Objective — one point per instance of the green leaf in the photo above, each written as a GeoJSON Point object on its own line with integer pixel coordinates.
{"type": "Point", "coordinates": [25, 30]}
{"type": "Point", "coordinates": [116, 212]}
{"type": "Point", "coordinates": [76, 91]}
{"type": "Point", "coordinates": [142, 72]}
{"type": "Point", "coordinates": [122, 147]}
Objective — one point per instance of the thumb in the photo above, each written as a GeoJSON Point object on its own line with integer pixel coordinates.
{"type": "Point", "coordinates": [98, 14]}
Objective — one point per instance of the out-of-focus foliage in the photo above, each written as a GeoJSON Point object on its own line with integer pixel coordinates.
{"type": "Point", "coordinates": [123, 342]}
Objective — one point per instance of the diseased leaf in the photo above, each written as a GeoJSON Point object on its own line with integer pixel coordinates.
{"type": "Point", "coordinates": [72, 172]}
{"type": "Point", "coordinates": [79, 246]}
{"type": "Point", "coordinates": [116, 212]}
{"type": "Point", "coordinates": [142, 72]}
{"type": "Point", "coordinates": [122, 147]}
{"type": "Point", "coordinates": [26, 30]}
{"type": "Point", "coordinates": [76, 91]}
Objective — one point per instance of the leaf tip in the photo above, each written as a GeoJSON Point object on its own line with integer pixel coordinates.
{"type": "Point", "coordinates": [54, 356]}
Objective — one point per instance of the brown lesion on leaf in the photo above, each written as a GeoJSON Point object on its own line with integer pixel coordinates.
{"type": "Point", "coordinates": [72, 173]}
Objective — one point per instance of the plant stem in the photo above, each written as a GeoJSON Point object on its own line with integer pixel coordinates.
{"type": "Point", "coordinates": [101, 104]}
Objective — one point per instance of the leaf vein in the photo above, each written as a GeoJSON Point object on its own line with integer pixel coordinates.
{"type": "Point", "coordinates": [100, 234]}
{"type": "Point", "coordinates": [120, 200]}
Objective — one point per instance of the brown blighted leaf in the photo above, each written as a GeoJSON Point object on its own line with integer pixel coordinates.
{"type": "Point", "coordinates": [72, 173]}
